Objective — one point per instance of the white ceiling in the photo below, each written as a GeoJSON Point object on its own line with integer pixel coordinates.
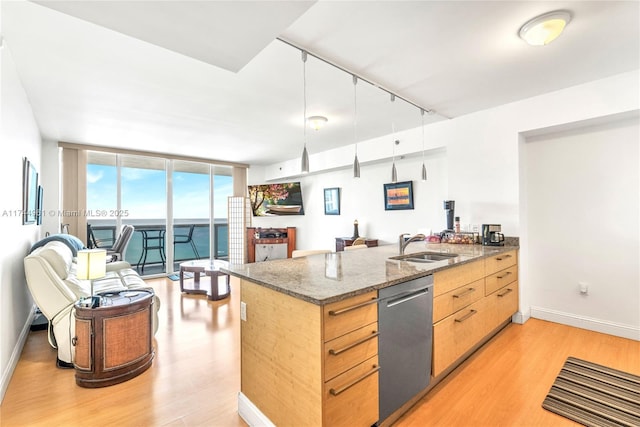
{"type": "Point", "coordinates": [209, 79]}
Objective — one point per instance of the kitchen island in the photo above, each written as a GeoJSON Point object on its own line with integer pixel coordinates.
{"type": "Point", "coordinates": [309, 333]}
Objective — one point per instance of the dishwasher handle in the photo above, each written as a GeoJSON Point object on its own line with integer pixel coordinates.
{"type": "Point", "coordinates": [405, 297]}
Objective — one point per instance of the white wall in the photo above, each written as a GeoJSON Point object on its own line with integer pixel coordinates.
{"type": "Point", "coordinates": [20, 138]}
{"type": "Point", "coordinates": [362, 199]}
{"type": "Point", "coordinates": [484, 175]}
{"type": "Point", "coordinates": [50, 175]}
{"type": "Point", "coordinates": [583, 198]}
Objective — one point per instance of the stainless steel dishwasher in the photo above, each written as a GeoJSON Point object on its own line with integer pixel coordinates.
{"type": "Point", "coordinates": [405, 323]}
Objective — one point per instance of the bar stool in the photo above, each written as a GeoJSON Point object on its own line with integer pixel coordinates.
{"type": "Point", "coordinates": [151, 242]}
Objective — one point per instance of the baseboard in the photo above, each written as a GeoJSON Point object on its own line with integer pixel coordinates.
{"type": "Point", "coordinates": [520, 317]}
{"type": "Point", "coordinates": [251, 414]}
{"type": "Point", "coordinates": [15, 354]}
{"type": "Point", "coordinates": [583, 322]}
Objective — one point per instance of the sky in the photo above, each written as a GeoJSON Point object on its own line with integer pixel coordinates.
{"type": "Point", "coordinates": [144, 193]}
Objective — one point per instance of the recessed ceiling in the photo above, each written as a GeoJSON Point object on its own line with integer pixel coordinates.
{"type": "Point", "coordinates": [146, 79]}
{"type": "Point", "coordinates": [203, 30]}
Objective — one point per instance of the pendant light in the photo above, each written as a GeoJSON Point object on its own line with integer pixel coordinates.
{"type": "Point", "coordinates": [424, 168]}
{"type": "Point", "coordinates": [356, 163]}
{"type": "Point", "coordinates": [394, 172]}
{"type": "Point", "coordinates": [305, 155]}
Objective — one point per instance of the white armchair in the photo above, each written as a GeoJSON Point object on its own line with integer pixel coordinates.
{"type": "Point", "coordinates": [50, 271]}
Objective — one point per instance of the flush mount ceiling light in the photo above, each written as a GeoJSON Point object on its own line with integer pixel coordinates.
{"type": "Point", "coordinates": [316, 122]}
{"type": "Point", "coordinates": [544, 29]}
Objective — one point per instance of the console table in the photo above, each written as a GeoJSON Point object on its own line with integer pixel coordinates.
{"type": "Point", "coordinates": [341, 242]}
{"type": "Point", "coordinates": [113, 341]}
{"type": "Point", "coordinates": [280, 241]}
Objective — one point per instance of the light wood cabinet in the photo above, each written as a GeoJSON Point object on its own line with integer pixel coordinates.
{"type": "Point", "coordinates": [471, 301]}
{"type": "Point", "coordinates": [452, 278]}
{"type": "Point", "coordinates": [349, 314]}
{"type": "Point", "coordinates": [345, 352]}
{"type": "Point", "coordinates": [495, 263]}
{"type": "Point", "coordinates": [457, 333]}
{"type": "Point", "coordinates": [504, 302]}
{"type": "Point", "coordinates": [308, 364]}
{"type": "Point", "coordinates": [351, 367]}
{"type": "Point", "coordinates": [351, 399]}
{"type": "Point", "coordinates": [446, 304]}
{"type": "Point", "coordinates": [500, 279]}
{"type": "Point", "coordinates": [305, 364]}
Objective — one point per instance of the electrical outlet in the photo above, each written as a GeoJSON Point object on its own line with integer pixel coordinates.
{"type": "Point", "coordinates": [584, 288]}
{"type": "Point", "coordinates": [243, 311]}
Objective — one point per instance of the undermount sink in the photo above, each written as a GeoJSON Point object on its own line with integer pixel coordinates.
{"type": "Point", "coordinates": [425, 257]}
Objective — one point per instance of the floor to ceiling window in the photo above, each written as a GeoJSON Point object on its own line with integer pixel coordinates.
{"type": "Point", "coordinates": [150, 193]}
{"type": "Point", "coordinates": [191, 211]}
{"type": "Point", "coordinates": [223, 183]}
{"type": "Point", "coordinates": [143, 204]}
{"type": "Point", "coordinates": [102, 198]}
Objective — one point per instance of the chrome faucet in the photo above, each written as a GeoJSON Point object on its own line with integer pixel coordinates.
{"type": "Point", "coordinates": [402, 244]}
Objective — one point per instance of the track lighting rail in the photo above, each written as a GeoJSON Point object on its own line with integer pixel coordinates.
{"type": "Point", "coordinates": [429, 111]}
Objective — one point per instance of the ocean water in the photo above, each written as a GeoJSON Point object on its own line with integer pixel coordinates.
{"type": "Point", "coordinates": [183, 251]}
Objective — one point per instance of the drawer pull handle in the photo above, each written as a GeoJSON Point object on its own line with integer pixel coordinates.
{"type": "Point", "coordinates": [505, 275]}
{"type": "Point", "coordinates": [466, 316]}
{"type": "Point", "coordinates": [336, 392]}
{"type": "Point", "coordinates": [468, 291]}
{"type": "Point", "coordinates": [505, 292]}
{"type": "Point", "coordinates": [353, 344]}
{"type": "Point", "coordinates": [503, 258]}
{"type": "Point", "coordinates": [74, 341]}
{"type": "Point", "coordinates": [353, 307]}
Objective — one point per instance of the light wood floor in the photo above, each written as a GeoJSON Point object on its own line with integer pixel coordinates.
{"type": "Point", "coordinates": [195, 377]}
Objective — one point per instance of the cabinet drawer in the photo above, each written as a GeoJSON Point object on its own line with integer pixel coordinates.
{"type": "Point", "coordinates": [501, 261]}
{"type": "Point", "coordinates": [501, 279]}
{"type": "Point", "coordinates": [452, 278]}
{"type": "Point", "coordinates": [351, 399]}
{"type": "Point", "coordinates": [348, 315]}
{"type": "Point", "coordinates": [504, 302]}
{"type": "Point", "coordinates": [449, 303]}
{"type": "Point", "coordinates": [456, 334]}
{"type": "Point", "coordinates": [347, 351]}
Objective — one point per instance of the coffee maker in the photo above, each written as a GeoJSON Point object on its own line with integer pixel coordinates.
{"type": "Point", "coordinates": [491, 235]}
{"type": "Point", "coordinates": [449, 207]}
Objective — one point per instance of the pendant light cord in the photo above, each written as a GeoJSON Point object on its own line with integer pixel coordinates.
{"type": "Point", "coordinates": [393, 126]}
{"type": "Point", "coordinates": [304, 95]}
{"type": "Point", "coordinates": [355, 114]}
{"type": "Point", "coordinates": [422, 112]}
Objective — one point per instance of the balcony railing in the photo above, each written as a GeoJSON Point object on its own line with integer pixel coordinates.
{"type": "Point", "coordinates": [105, 235]}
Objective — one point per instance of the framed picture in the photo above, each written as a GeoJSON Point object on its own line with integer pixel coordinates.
{"type": "Point", "coordinates": [398, 196]}
{"type": "Point", "coordinates": [276, 199]}
{"type": "Point", "coordinates": [29, 192]}
{"type": "Point", "coordinates": [332, 201]}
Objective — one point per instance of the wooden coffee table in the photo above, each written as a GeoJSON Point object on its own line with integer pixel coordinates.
{"type": "Point", "coordinates": [211, 268]}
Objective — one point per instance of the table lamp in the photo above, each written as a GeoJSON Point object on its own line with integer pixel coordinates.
{"type": "Point", "coordinates": [92, 264]}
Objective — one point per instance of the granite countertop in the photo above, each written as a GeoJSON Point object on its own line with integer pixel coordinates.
{"type": "Point", "coordinates": [326, 278]}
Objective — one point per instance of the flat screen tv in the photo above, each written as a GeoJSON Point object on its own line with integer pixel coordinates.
{"type": "Point", "coordinates": [276, 199]}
